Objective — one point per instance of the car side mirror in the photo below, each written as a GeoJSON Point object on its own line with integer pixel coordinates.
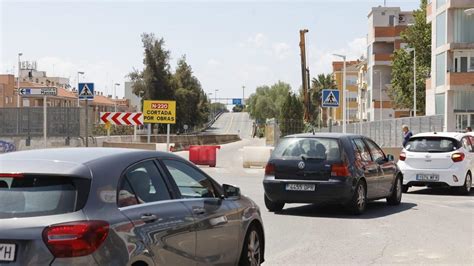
{"type": "Point", "coordinates": [231, 191]}
{"type": "Point", "coordinates": [390, 158]}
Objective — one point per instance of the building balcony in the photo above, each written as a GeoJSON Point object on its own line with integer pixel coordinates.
{"type": "Point", "coordinates": [460, 78]}
{"type": "Point", "coordinates": [383, 57]}
{"type": "Point", "coordinates": [387, 32]}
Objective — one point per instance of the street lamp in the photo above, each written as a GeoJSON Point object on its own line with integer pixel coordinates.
{"type": "Point", "coordinates": [414, 79]}
{"type": "Point", "coordinates": [380, 92]}
{"type": "Point", "coordinates": [243, 95]}
{"type": "Point", "coordinates": [343, 92]}
{"type": "Point", "coordinates": [115, 96]}
{"type": "Point", "coordinates": [18, 81]}
{"type": "Point", "coordinates": [78, 73]}
{"type": "Point", "coordinates": [140, 93]}
{"type": "Point", "coordinates": [215, 102]}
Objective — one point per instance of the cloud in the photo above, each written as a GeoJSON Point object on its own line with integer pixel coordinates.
{"type": "Point", "coordinates": [257, 41]}
{"type": "Point", "coordinates": [213, 63]}
{"type": "Point", "coordinates": [281, 50]}
{"type": "Point", "coordinates": [320, 61]}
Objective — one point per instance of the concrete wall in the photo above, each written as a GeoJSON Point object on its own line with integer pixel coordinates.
{"type": "Point", "coordinates": [181, 142]}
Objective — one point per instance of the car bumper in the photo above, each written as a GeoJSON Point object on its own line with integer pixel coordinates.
{"type": "Point", "coordinates": [445, 176]}
{"type": "Point", "coordinates": [333, 191]}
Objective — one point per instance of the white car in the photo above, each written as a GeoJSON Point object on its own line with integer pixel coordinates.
{"type": "Point", "coordinates": [438, 159]}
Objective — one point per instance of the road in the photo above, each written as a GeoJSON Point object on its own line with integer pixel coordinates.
{"type": "Point", "coordinates": [232, 123]}
{"type": "Point", "coordinates": [429, 227]}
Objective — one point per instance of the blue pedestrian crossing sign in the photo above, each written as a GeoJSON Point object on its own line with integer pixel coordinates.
{"type": "Point", "coordinates": [330, 98]}
{"type": "Point", "coordinates": [86, 91]}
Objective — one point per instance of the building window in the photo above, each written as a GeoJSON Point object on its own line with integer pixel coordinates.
{"type": "Point", "coordinates": [441, 29]}
{"type": "Point", "coordinates": [439, 103]}
{"type": "Point", "coordinates": [440, 69]}
{"type": "Point", "coordinates": [440, 3]}
{"type": "Point", "coordinates": [463, 25]}
{"type": "Point", "coordinates": [463, 101]}
{"type": "Point", "coordinates": [464, 61]}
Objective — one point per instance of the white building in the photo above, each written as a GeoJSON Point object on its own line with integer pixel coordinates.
{"type": "Point", "coordinates": [134, 99]}
{"type": "Point", "coordinates": [385, 26]}
{"type": "Point", "coordinates": [450, 90]}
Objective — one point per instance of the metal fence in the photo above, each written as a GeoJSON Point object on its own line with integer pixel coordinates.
{"type": "Point", "coordinates": [388, 133]}
{"type": "Point", "coordinates": [28, 121]}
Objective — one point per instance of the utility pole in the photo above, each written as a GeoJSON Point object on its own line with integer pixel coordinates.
{"type": "Point", "coordinates": [308, 91]}
{"type": "Point", "coordinates": [303, 73]}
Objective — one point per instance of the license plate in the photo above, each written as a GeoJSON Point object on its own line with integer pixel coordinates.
{"type": "Point", "coordinates": [7, 252]}
{"type": "Point", "coordinates": [427, 177]}
{"type": "Point", "coordinates": [301, 187]}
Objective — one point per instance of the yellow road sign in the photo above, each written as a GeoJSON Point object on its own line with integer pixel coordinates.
{"type": "Point", "coordinates": [159, 112]}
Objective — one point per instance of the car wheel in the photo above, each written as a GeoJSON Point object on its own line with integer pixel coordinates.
{"type": "Point", "coordinates": [273, 206]}
{"type": "Point", "coordinates": [252, 250]}
{"type": "Point", "coordinates": [396, 197]}
{"type": "Point", "coordinates": [466, 188]}
{"type": "Point", "coordinates": [359, 199]}
{"type": "Point", "coordinates": [405, 188]}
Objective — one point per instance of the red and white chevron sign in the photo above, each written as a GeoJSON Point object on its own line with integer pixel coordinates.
{"type": "Point", "coordinates": [121, 118]}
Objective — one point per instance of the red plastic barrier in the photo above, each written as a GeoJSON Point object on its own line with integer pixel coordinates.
{"type": "Point", "coordinates": [203, 155]}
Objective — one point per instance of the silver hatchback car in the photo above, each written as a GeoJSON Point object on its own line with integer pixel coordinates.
{"type": "Point", "coordinates": [101, 206]}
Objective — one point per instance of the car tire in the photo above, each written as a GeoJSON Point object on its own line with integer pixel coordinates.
{"type": "Point", "coordinates": [466, 188]}
{"type": "Point", "coordinates": [358, 202]}
{"type": "Point", "coordinates": [252, 254]}
{"type": "Point", "coordinates": [273, 206]}
{"type": "Point", "coordinates": [396, 196]}
{"type": "Point", "coordinates": [405, 188]}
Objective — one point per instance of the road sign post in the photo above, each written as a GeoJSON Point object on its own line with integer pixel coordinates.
{"type": "Point", "coordinates": [86, 92]}
{"type": "Point", "coordinates": [160, 112]}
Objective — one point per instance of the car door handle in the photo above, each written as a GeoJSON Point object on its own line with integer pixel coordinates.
{"type": "Point", "coordinates": [148, 218]}
{"type": "Point", "coordinates": [199, 211]}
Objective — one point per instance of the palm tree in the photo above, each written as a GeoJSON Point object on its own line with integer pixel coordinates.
{"type": "Point", "coordinates": [322, 81]}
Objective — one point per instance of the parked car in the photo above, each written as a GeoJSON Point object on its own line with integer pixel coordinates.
{"type": "Point", "coordinates": [438, 159]}
{"type": "Point", "coordinates": [330, 167]}
{"type": "Point", "coordinates": [105, 206]}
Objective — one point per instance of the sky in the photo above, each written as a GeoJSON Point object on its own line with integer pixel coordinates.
{"type": "Point", "coordinates": [229, 44]}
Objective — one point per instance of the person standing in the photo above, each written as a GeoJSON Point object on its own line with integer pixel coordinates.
{"type": "Point", "coordinates": [406, 134]}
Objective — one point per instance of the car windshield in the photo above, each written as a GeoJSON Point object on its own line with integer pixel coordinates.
{"type": "Point", "coordinates": [432, 144]}
{"type": "Point", "coordinates": [308, 148]}
{"type": "Point", "coordinates": [36, 196]}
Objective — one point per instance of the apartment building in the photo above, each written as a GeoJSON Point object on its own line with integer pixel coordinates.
{"type": "Point", "coordinates": [450, 89]}
{"type": "Point", "coordinates": [362, 102]}
{"type": "Point", "coordinates": [385, 26]}
{"type": "Point", "coordinates": [351, 88]}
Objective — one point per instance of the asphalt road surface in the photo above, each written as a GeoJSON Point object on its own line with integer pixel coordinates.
{"type": "Point", "coordinates": [429, 227]}
{"type": "Point", "coordinates": [233, 123]}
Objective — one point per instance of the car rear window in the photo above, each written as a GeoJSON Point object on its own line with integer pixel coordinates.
{"type": "Point", "coordinates": [312, 148]}
{"type": "Point", "coordinates": [432, 144]}
{"type": "Point", "coordinates": [28, 196]}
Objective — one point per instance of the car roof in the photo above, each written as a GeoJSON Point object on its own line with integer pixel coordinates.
{"type": "Point", "coordinates": [455, 135]}
{"type": "Point", "coordinates": [69, 161]}
{"type": "Point", "coordinates": [323, 135]}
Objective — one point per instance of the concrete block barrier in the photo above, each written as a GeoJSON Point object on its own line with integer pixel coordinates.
{"type": "Point", "coordinates": [256, 156]}
{"type": "Point", "coordinates": [135, 145]}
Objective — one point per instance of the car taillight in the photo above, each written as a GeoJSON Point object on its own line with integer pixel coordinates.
{"type": "Point", "coordinates": [340, 170]}
{"type": "Point", "coordinates": [402, 156]}
{"type": "Point", "coordinates": [270, 169]}
{"type": "Point", "coordinates": [76, 238]}
{"type": "Point", "coordinates": [12, 175]}
{"type": "Point", "coordinates": [457, 157]}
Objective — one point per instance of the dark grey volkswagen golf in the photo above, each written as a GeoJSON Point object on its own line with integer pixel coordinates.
{"type": "Point", "coordinates": [332, 168]}
{"type": "Point", "coordinates": [103, 206]}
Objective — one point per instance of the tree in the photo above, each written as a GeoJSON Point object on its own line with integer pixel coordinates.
{"type": "Point", "coordinates": [323, 81]}
{"type": "Point", "coordinates": [218, 107]}
{"type": "Point", "coordinates": [155, 79]}
{"type": "Point", "coordinates": [291, 116]}
{"type": "Point", "coordinates": [417, 36]}
{"type": "Point", "coordinates": [192, 105]}
{"type": "Point", "coordinates": [267, 101]}
{"type": "Point", "coordinates": [238, 108]}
